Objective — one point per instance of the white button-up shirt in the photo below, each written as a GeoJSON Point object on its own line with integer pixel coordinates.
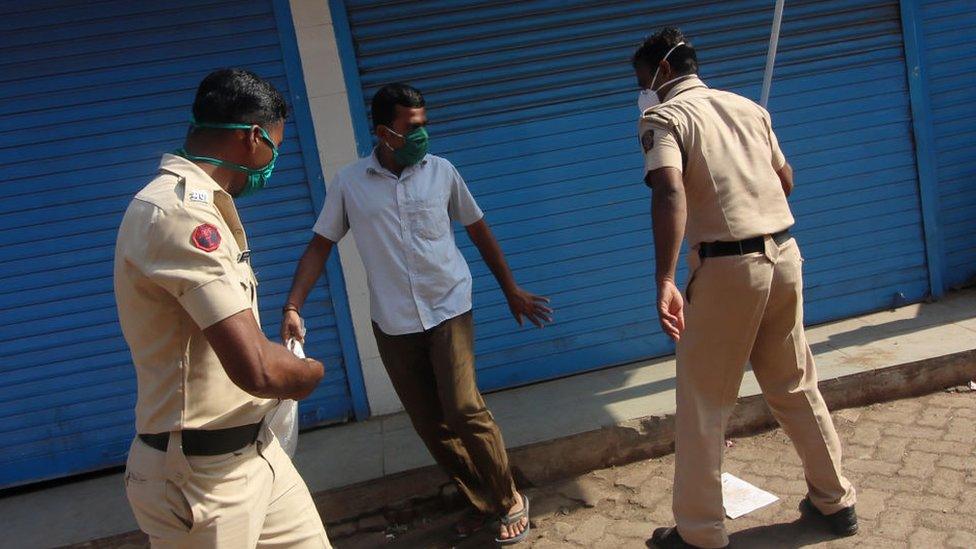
{"type": "Point", "coordinates": [417, 276]}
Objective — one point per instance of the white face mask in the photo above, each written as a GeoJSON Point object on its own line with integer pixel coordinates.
{"type": "Point", "coordinates": [648, 98]}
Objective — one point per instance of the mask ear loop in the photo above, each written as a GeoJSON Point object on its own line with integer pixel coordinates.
{"type": "Point", "coordinates": [665, 58]}
{"type": "Point", "coordinates": [394, 132]}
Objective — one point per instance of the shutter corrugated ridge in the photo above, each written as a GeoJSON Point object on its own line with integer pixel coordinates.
{"type": "Point", "coordinates": [949, 28]}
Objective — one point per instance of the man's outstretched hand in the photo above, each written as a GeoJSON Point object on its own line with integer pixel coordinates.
{"type": "Point", "coordinates": [528, 305]}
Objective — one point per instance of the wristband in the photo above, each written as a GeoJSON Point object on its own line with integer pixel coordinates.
{"type": "Point", "coordinates": [290, 307]}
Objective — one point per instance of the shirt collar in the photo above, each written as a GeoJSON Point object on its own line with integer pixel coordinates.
{"type": "Point", "coordinates": [181, 167]}
{"type": "Point", "coordinates": [689, 83]}
{"type": "Point", "coordinates": [373, 166]}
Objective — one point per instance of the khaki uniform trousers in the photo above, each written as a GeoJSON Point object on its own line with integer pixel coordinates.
{"type": "Point", "coordinates": [250, 498]}
{"type": "Point", "coordinates": [433, 374]}
{"type": "Point", "coordinates": [747, 308]}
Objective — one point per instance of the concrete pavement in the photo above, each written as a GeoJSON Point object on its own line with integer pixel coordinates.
{"type": "Point", "coordinates": [912, 461]}
{"type": "Point", "coordinates": [360, 467]}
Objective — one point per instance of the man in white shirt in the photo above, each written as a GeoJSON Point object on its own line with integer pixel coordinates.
{"type": "Point", "coordinates": [400, 202]}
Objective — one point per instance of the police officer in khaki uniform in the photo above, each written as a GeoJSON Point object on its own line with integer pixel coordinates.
{"type": "Point", "coordinates": [717, 172]}
{"type": "Point", "coordinates": [204, 470]}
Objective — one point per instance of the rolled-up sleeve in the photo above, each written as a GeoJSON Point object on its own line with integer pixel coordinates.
{"type": "Point", "coordinates": [215, 300]}
{"type": "Point", "coordinates": [462, 206]}
{"type": "Point", "coordinates": [333, 221]}
{"type": "Point", "coordinates": [207, 284]}
{"type": "Point", "coordinates": [659, 145]}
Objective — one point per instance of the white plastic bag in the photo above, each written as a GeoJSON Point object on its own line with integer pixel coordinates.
{"type": "Point", "coordinates": [283, 420]}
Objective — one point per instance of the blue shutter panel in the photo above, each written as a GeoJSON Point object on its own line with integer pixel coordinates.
{"type": "Point", "coordinates": [949, 28]}
{"type": "Point", "coordinates": [90, 97]}
{"type": "Point", "coordinates": [535, 103]}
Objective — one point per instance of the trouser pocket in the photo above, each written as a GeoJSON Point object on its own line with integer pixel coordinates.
{"type": "Point", "coordinates": [160, 506]}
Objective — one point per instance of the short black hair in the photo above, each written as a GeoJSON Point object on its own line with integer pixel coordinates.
{"type": "Point", "coordinates": [238, 96]}
{"type": "Point", "coordinates": [383, 107]}
{"type": "Point", "coordinates": [683, 59]}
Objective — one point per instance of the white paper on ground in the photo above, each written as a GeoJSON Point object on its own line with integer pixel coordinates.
{"type": "Point", "coordinates": [283, 420]}
{"type": "Point", "coordinates": [742, 498]}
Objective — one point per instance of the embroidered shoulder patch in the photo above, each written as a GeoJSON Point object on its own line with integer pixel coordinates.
{"type": "Point", "coordinates": [647, 140]}
{"type": "Point", "coordinates": [199, 196]}
{"type": "Point", "coordinates": [206, 237]}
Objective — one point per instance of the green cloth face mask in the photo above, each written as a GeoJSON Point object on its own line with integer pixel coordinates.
{"type": "Point", "coordinates": [257, 179]}
{"type": "Point", "coordinates": [414, 148]}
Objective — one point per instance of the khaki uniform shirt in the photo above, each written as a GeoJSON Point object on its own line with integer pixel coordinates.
{"type": "Point", "coordinates": [727, 152]}
{"type": "Point", "coordinates": [182, 265]}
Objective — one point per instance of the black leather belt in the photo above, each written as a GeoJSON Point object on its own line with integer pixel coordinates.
{"type": "Point", "coordinates": [741, 247]}
{"type": "Point", "coordinates": [207, 443]}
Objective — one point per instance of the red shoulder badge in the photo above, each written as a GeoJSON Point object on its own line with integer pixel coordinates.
{"type": "Point", "coordinates": [206, 237]}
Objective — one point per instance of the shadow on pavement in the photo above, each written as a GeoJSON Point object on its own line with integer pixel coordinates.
{"type": "Point", "coordinates": [802, 532]}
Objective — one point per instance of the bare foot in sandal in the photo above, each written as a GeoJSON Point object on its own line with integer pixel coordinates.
{"type": "Point", "coordinates": [513, 527]}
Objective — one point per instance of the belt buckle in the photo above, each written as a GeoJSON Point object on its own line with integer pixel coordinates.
{"type": "Point", "coordinates": [741, 250]}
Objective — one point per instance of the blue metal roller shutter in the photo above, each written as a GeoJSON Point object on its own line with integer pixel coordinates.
{"type": "Point", "coordinates": [840, 106]}
{"type": "Point", "coordinates": [949, 29]}
{"type": "Point", "coordinates": [534, 102]}
{"type": "Point", "coordinates": [92, 94]}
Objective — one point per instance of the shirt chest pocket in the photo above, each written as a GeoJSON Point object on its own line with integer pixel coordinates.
{"type": "Point", "coordinates": [430, 221]}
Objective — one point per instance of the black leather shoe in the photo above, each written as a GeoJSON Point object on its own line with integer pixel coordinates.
{"type": "Point", "coordinates": [843, 523]}
{"type": "Point", "coordinates": [669, 538]}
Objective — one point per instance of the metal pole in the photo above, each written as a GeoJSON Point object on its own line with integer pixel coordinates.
{"type": "Point", "coordinates": [771, 54]}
